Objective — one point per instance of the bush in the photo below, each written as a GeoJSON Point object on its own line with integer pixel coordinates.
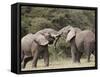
{"type": "Point", "coordinates": [62, 50]}
{"type": "Point", "coordinates": [39, 23]}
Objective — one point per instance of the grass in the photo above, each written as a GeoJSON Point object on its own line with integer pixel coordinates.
{"type": "Point", "coordinates": [60, 63]}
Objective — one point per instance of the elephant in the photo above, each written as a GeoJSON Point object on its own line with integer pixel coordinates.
{"type": "Point", "coordinates": [35, 45]}
{"type": "Point", "coordinates": [81, 41]}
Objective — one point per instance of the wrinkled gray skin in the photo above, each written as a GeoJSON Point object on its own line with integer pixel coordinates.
{"type": "Point", "coordinates": [35, 45]}
{"type": "Point", "coordinates": [81, 42]}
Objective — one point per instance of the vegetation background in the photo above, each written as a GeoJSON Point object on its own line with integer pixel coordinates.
{"type": "Point", "coordinates": [34, 19]}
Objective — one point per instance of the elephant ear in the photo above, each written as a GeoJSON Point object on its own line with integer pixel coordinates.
{"type": "Point", "coordinates": [70, 34]}
{"type": "Point", "coordinates": [41, 40]}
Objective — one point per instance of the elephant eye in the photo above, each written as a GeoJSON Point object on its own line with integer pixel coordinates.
{"type": "Point", "coordinates": [68, 31]}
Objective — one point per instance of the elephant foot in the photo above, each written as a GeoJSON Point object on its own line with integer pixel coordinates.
{"type": "Point", "coordinates": [76, 61]}
{"type": "Point", "coordinates": [23, 65]}
{"type": "Point", "coordinates": [88, 60]}
{"type": "Point", "coordinates": [34, 66]}
{"type": "Point", "coordinates": [46, 65]}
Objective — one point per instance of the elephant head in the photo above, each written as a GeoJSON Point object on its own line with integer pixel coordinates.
{"type": "Point", "coordinates": [72, 33]}
{"type": "Point", "coordinates": [69, 32]}
{"type": "Point", "coordinates": [43, 39]}
{"type": "Point", "coordinates": [47, 36]}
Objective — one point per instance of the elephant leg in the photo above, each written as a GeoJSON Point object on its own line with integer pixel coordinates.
{"type": "Point", "coordinates": [46, 58]}
{"type": "Point", "coordinates": [93, 49]}
{"type": "Point", "coordinates": [88, 52]}
{"type": "Point", "coordinates": [25, 60]}
{"type": "Point", "coordinates": [73, 53]}
{"type": "Point", "coordinates": [88, 55]}
{"type": "Point", "coordinates": [23, 63]}
{"type": "Point", "coordinates": [78, 56]}
{"type": "Point", "coordinates": [93, 52]}
{"type": "Point", "coordinates": [73, 56]}
{"type": "Point", "coordinates": [35, 59]}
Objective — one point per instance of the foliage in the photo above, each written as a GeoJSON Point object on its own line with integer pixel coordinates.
{"type": "Point", "coordinates": [39, 23]}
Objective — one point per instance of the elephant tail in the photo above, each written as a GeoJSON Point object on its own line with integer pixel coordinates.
{"type": "Point", "coordinates": [93, 51]}
{"type": "Point", "coordinates": [22, 55]}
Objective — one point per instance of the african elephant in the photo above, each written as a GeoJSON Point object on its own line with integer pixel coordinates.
{"type": "Point", "coordinates": [35, 45]}
{"type": "Point", "coordinates": [82, 41]}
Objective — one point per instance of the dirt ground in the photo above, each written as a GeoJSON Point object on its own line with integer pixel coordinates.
{"type": "Point", "coordinates": [61, 63]}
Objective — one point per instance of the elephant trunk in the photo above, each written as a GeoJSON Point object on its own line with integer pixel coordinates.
{"type": "Point", "coordinates": [56, 39]}
{"type": "Point", "coordinates": [55, 42]}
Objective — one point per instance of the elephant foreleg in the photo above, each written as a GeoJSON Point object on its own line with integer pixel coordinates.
{"type": "Point", "coordinates": [46, 58]}
{"type": "Point", "coordinates": [78, 56]}
{"type": "Point", "coordinates": [35, 58]}
{"type": "Point", "coordinates": [73, 53]}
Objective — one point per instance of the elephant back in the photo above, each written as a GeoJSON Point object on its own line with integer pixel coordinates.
{"type": "Point", "coordinates": [85, 37]}
{"type": "Point", "coordinates": [77, 30]}
{"type": "Point", "coordinates": [26, 42]}
{"type": "Point", "coordinates": [48, 30]}
{"type": "Point", "coordinates": [90, 36]}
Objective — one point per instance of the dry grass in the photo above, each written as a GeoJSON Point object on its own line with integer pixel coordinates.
{"type": "Point", "coordinates": [61, 63]}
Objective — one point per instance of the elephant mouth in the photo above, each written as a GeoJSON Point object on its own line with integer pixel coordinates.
{"type": "Point", "coordinates": [51, 40]}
